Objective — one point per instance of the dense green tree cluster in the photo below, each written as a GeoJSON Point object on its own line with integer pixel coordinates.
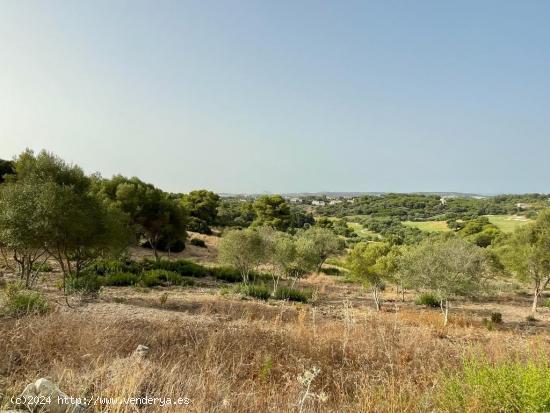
{"type": "Point", "coordinates": [478, 230]}
{"type": "Point", "coordinates": [418, 207]}
{"type": "Point", "coordinates": [6, 168]}
{"type": "Point", "coordinates": [393, 230]}
{"type": "Point", "coordinates": [272, 211]}
{"type": "Point", "coordinates": [285, 254]}
{"type": "Point", "coordinates": [233, 212]}
{"type": "Point", "coordinates": [526, 254]}
{"type": "Point", "coordinates": [47, 209]}
{"type": "Point", "coordinates": [156, 217]}
{"type": "Point", "coordinates": [202, 206]}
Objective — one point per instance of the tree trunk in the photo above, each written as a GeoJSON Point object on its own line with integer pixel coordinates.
{"type": "Point", "coordinates": [535, 302]}
{"type": "Point", "coordinates": [320, 265]}
{"type": "Point", "coordinates": [444, 304]}
{"type": "Point", "coordinates": [376, 296]}
{"type": "Point", "coordinates": [275, 283]}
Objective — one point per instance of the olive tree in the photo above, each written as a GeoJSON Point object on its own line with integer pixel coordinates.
{"type": "Point", "coordinates": [282, 255]}
{"type": "Point", "coordinates": [22, 229]}
{"type": "Point", "coordinates": [76, 227]}
{"type": "Point", "coordinates": [242, 249]}
{"type": "Point", "coordinates": [49, 211]}
{"type": "Point", "coordinates": [449, 267]}
{"type": "Point", "coordinates": [317, 244]}
{"type": "Point", "coordinates": [527, 255]}
{"type": "Point", "coordinates": [365, 262]}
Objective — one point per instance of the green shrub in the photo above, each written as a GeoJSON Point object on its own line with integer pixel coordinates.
{"type": "Point", "coordinates": [120, 279]}
{"type": "Point", "coordinates": [86, 284]}
{"type": "Point", "coordinates": [496, 318]}
{"type": "Point", "coordinates": [165, 245]}
{"type": "Point", "coordinates": [227, 274]}
{"type": "Point", "coordinates": [42, 267]}
{"type": "Point", "coordinates": [546, 303]}
{"type": "Point", "coordinates": [104, 267]}
{"type": "Point", "coordinates": [427, 299]}
{"type": "Point", "coordinates": [332, 271]}
{"type": "Point", "coordinates": [259, 291]}
{"type": "Point", "coordinates": [153, 278]}
{"type": "Point", "coordinates": [186, 281]}
{"type": "Point", "coordinates": [198, 225]}
{"type": "Point", "coordinates": [20, 301]}
{"type": "Point", "coordinates": [197, 242]}
{"type": "Point", "coordinates": [182, 267]}
{"type": "Point", "coordinates": [293, 294]}
{"type": "Point", "coordinates": [510, 386]}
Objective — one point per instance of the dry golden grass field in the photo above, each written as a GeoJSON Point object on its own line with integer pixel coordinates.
{"type": "Point", "coordinates": [227, 353]}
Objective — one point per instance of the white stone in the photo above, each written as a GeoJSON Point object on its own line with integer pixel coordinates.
{"type": "Point", "coordinates": [43, 389]}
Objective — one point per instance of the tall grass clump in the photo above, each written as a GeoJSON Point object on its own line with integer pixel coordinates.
{"type": "Point", "coordinates": [105, 266]}
{"type": "Point", "coordinates": [154, 278]}
{"type": "Point", "coordinates": [259, 291]}
{"type": "Point", "coordinates": [120, 279]}
{"type": "Point", "coordinates": [427, 299]}
{"type": "Point", "coordinates": [293, 294]}
{"type": "Point", "coordinates": [182, 267]}
{"type": "Point", "coordinates": [508, 386]}
{"type": "Point", "coordinates": [227, 274]}
{"type": "Point", "coordinates": [20, 301]}
{"type": "Point", "coordinates": [86, 284]}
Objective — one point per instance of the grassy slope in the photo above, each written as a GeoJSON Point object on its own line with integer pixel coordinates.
{"type": "Point", "coordinates": [428, 226]}
{"type": "Point", "coordinates": [508, 223]}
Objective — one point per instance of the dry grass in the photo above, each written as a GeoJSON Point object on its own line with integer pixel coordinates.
{"type": "Point", "coordinates": [225, 354]}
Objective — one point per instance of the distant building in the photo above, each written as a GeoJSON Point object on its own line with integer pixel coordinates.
{"type": "Point", "coordinates": [318, 203]}
{"type": "Point", "coordinates": [521, 205]}
{"type": "Point", "coordinates": [296, 200]}
{"type": "Point", "coordinates": [334, 202]}
{"type": "Point", "coordinates": [443, 201]}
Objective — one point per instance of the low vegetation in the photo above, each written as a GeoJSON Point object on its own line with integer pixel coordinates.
{"type": "Point", "coordinates": [385, 303]}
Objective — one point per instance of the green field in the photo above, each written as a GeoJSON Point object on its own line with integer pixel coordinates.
{"type": "Point", "coordinates": [508, 223]}
{"type": "Point", "coordinates": [361, 231]}
{"type": "Point", "coordinates": [428, 226]}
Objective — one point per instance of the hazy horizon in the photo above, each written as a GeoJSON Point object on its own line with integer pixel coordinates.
{"type": "Point", "coordinates": [284, 97]}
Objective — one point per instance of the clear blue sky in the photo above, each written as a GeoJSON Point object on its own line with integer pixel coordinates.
{"type": "Point", "coordinates": [282, 96]}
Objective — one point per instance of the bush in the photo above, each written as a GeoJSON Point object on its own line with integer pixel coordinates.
{"type": "Point", "coordinates": [163, 245]}
{"type": "Point", "coordinates": [158, 277]}
{"type": "Point", "coordinates": [20, 301]}
{"type": "Point", "coordinates": [42, 267]}
{"type": "Point", "coordinates": [503, 387]}
{"type": "Point", "coordinates": [546, 303]}
{"type": "Point", "coordinates": [427, 299]}
{"type": "Point", "coordinates": [103, 267]}
{"type": "Point", "coordinates": [198, 225]}
{"type": "Point", "coordinates": [120, 279]}
{"type": "Point", "coordinates": [182, 267]}
{"type": "Point", "coordinates": [197, 242]}
{"type": "Point", "coordinates": [86, 284]}
{"type": "Point", "coordinates": [496, 318]}
{"type": "Point", "coordinates": [332, 271]}
{"type": "Point", "coordinates": [259, 291]}
{"type": "Point", "coordinates": [292, 294]}
{"type": "Point", "coordinates": [186, 281]}
{"type": "Point", "coordinates": [227, 274]}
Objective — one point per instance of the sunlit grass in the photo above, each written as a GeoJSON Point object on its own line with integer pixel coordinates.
{"type": "Point", "coordinates": [508, 223]}
{"type": "Point", "coordinates": [428, 226]}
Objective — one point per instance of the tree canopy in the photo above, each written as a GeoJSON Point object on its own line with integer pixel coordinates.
{"type": "Point", "coordinates": [272, 211]}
